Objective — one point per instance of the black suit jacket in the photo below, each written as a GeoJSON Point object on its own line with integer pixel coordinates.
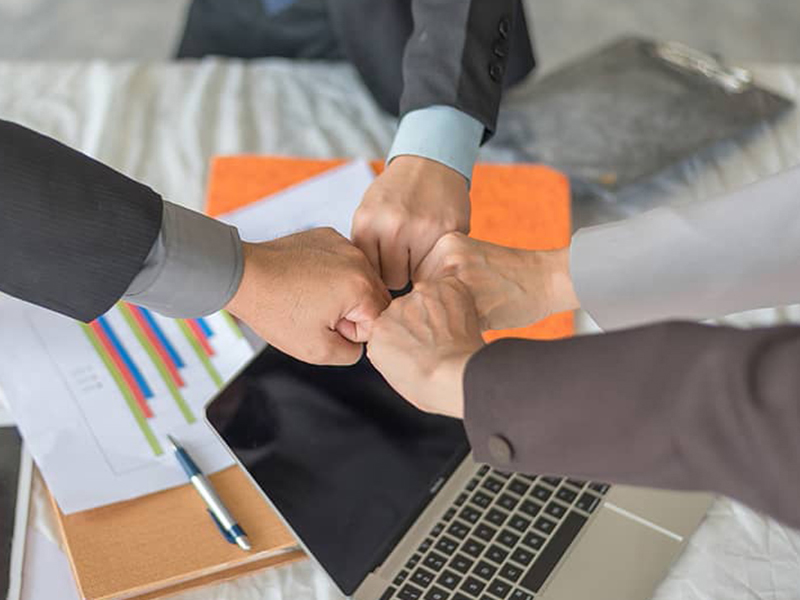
{"type": "Point", "coordinates": [73, 232]}
{"type": "Point", "coordinates": [417, 53]}
{"type": "Point", "coordinates": [410, 53]}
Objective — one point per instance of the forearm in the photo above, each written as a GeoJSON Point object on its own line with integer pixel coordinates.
{"type": "Point", "coordinates": [738, 252]}
{"type": "Point", "coordinates": [675, 405]}
{"type": "Point", "coordinates": [77, 236]}
{"type": "Point", "coordinates": [73, 232]}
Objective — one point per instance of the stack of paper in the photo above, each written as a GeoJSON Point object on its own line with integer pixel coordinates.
{"type": "Point", "coordinates": [94, 402]}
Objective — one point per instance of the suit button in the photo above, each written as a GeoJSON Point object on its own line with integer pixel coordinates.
{"type": "Point", "coordinates": [500, 450]}
{"type": "Point", "coordinates": [496, 72]}
{"type": "Point", "coordinates": [504, 27]}
{"type": "Point", "coordinates": [500, 49]}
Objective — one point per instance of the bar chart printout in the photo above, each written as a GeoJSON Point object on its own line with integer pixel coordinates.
{"type": "Point", "coordinates": [101, 397]}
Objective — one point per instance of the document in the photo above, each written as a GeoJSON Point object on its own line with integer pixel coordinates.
{"type": "Point", "coordinates": [95, 402]}
{"type": "Point", "coordinates": [327, 200]}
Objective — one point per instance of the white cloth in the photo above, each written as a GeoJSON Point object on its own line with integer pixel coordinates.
{"type": "Point", "coordinates": [162, 123]}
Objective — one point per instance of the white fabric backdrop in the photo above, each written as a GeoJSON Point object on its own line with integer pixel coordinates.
{"type": "Point", "coordinates": [161, 123]}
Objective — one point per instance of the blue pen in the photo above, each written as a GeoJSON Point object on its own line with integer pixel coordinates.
{"type": "Point", "coordinates": [226, 523]}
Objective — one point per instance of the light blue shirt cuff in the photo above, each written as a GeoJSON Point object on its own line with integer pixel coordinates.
{"type": "Point", "coordinates": [440, 133]}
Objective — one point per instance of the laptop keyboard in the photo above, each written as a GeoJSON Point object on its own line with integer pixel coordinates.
{"type": "Point", "coordinates": [500, 540]}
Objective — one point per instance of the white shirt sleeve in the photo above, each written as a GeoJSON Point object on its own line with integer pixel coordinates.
{"type": "Point", "coordinates": [737, 252]}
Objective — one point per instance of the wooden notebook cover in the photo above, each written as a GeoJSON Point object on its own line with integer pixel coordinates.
{"type": "Point", "coordinates": [165, 543]}
{"type": "Point", "coordinates": [522, 206]}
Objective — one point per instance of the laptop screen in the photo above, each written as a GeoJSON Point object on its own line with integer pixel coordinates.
{"type": "Point", "coordinates": [345, 460]}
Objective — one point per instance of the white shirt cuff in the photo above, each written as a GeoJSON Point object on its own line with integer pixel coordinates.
{"type": "Point", "coordinates": [194, 268]}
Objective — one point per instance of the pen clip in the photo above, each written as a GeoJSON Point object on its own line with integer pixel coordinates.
{"type": "Point", "coordinates": [225, 533]}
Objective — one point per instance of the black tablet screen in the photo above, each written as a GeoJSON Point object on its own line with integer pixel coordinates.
{"type": "Point", "coordinates": [346, 461]}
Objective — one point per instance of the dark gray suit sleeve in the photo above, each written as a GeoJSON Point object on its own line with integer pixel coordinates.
{"type": "Point", "coordinates": [458, 55]}
{"type": "Point", "coordinates": [675, 405]}
{"type": "Point", "coordinates": [73, 232]}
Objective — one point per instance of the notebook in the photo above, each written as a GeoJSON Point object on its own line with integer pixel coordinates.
{"type": "Point", "coordinates": [166, 543]}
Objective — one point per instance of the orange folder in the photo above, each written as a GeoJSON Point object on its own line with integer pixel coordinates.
{"type": "Point", "coordinates": [522, 206]}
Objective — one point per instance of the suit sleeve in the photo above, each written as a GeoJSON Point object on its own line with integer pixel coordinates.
{"type": "Point", "coordinates": [675, 405]}
{"type": "Point", "coordinates": [737, 252]}
{"type": "Point", "coordinates": [73, 233]}
{"type": "Point", "coordinates": [458, 56]}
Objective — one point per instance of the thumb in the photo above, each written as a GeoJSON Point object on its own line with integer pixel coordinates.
{"type": "Point", "coordinates": [341, 351]}
{"type": "Point", "coordinates": [356, 326]}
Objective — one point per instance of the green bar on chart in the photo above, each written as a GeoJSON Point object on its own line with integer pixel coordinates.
{"type": "Point", "coordinates": [138, 416]}
{"type": "Point", "coordinates": [186, 411]}
{"type": "Point", "coordinates": [198, 349]}
{"type": "Point", "coordinates": [232, 323]}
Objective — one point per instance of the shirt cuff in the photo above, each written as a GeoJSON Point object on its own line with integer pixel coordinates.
{"type": "Point", "coordinates": [194, 268]}
{"type": "Point", "coordinates": [440, 133]}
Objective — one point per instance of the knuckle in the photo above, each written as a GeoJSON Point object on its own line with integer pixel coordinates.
{"type": "Point", "coordinates": [362, 217]}
{"type": "Point", "coordinates": [421, 288]}
{"type": "Point", "coordinates": [453, 240]}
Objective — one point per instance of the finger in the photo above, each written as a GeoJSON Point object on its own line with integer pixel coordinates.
{"type": "Point", "coordinates": [433, 265]}
{"type": "Point", "coordinates": [339, 351]}
{"type": "Point", "coordinates": [420, 249]}
{"type": "Point", "coordinates": [365, 240]}
{"type": "Point", "coordinates": [358, 332]}
{"type": "Point", "coordinates": [394, 263]}
{"type": "Point", "coordinates": [356, 325]}
{"type": "Point", "coordinates": [428, 269]}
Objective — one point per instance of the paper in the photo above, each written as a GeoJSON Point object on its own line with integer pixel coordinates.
{"type": "Point", "coordinates": [327, 200]}
{"type": "Point", "coordinates": [95, 402]}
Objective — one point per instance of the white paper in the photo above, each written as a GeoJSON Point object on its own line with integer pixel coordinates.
{"type": "Point", "coordinates": [93, 444]}
{"type": "Point", "coordinates": [327, 200]}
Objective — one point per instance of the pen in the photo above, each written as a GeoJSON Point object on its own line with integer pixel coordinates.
{"type": "Point", "coordinates": [226, 523]}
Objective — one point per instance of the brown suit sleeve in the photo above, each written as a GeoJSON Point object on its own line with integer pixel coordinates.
{"type": "Point", "coordinates": [674, 405]}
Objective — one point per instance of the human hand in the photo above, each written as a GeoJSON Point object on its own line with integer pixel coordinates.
{"type": "Point", "coordinates": [405, 211]}
{"type": "Point", "coordinates": [511, 287]}
{"type": "Point", "coordinates": [422, 342]}
{"type": "Point", "coordinates": [311, 295]}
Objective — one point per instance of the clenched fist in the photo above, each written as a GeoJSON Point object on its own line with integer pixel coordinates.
{"type": "Point", "coordinates": [422, 343]}
{"type": "Point", "coordinates": [404, 213]}
{"type": "Point", "coordinates": [311, 295]}
{"type": "Point", "coordinates": [511, 287]}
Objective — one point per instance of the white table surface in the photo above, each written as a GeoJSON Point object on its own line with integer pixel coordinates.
{"type": "Point", "coordinates": [161, 123]}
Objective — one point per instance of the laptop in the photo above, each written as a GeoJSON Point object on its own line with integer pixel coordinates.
{"type": "Point", "coordinates": [389, 502]}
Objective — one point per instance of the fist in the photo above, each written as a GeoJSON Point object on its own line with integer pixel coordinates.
{"type": "Point", "coordinates": [312, 295]}
{"type": "Point", "coordinates": [511, 287]}
{"type": "Point", "coordinates": [421, 345]}
{"type": "Point", "coordinates": [405, 211]}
